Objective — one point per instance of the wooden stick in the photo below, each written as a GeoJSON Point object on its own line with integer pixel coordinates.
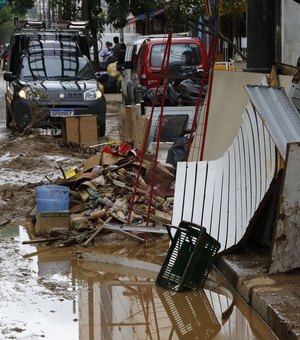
{"type": "Point", "coordinates": [86, 243]}
{"type": "Point", "coordinates": [41, 240]}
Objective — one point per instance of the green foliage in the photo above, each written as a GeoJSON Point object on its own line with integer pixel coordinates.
{"type": "Point", "coordinates": [20, 7]}
{"type": "Point", "coordinates": [232, 8]}
{"type": "Point", "coordinates": [181, 14]}
{"type": "Point", "coordinates": [117, 12]}
{"type": "Point", "coordinates": [13, 8]}
{"type": "Point", "coordinates": [67, 9]}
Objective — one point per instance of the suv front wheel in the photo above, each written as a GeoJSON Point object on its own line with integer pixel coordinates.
{"type": "Point", "coordinates": [8, 119]}
{"type": "Point", "coordinates": [101, 120]}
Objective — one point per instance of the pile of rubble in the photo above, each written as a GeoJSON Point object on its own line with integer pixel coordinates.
{"type": "Point", "coordinates": [114, 191]}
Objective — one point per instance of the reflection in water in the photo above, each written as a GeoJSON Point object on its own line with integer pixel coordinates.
{"type": "Point", "coordinates": [191, 314]}
{"type": "Point", "coordinates": [61, 297]}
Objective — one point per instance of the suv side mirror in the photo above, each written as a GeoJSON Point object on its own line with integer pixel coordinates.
{"type": "Point", "coordinates": [101, 76]}
{"type": "Point", "coordinates": [128, 65]}
{"type": "Point", "coordinates": [8, 76]}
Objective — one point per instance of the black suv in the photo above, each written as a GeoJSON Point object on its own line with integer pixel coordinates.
{"type": "Point", "coordinates": [51, 79]}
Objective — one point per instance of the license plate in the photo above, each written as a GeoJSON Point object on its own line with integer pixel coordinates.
{"type": "Point", "coordinates": [61, 113]}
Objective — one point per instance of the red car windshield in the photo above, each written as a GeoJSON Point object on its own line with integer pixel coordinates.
{"type": "Point", "coordinates": [180, 52]}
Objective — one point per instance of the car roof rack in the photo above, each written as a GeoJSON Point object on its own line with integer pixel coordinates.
{"type": "Point", "coordinates": [34, 24]}
{"type": "Point", "coordinates": [58, 26]}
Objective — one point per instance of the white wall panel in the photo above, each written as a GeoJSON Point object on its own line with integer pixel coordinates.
{"type": "Point", "coordinates": [223, 195]}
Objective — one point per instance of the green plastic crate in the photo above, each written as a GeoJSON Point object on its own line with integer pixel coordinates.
{"type": "Point", "coordinates": [189, 258]}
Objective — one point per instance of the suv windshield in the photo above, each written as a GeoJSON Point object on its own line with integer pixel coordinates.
{"type": "Point", "coordinates": [177, 54]}
{"type": "Point", "coordinates": [60, 67]}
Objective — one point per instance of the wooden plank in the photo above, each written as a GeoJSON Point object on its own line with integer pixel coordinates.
{"type": "Point", "coordinates": [261, 133]}
{"type": "Point", "coordinates": [179, 193]}
{"type": "Point", "coordinates": [238, 198]}
{"type": "Point", "coordinates": [40, 240]}
{"type": "Point", "coordinates": [244, 222]}
{"type": "Point", "coordinates": [128, 235]}
{"type": "Point", "coordinates": [225, 204]}
{"type": "Point", "coordinates": [247, 133]}
{"type": "Point", "coordinates": [216, 209]}
{"type": "Point", "coordinates": [189, 191]}
{"type": "Point", "coordinates": [231, 234]}
{"type": "Point", "coordinates": [199, 192]}
{"type": "Point", "coordinates": [209, 196]}
{"type": "Point", "coordinates": [138, 229]}
{"type": "Point", "coordinates": [90, 239]}
{"type": "Point", "coordinates": [121, 261]}
{"type": "Point", "coordinates": [256, 170]}
{"type": "Point", "coordinates": [271, 161]}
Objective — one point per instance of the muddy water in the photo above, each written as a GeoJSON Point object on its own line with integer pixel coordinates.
{"type": "Point", "coordinates": [55, 293]}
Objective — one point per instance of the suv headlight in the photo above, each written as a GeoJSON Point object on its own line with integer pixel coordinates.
{"type": "Point", "coordinates": [29, 93]}
{"type": "Point", "coordinates": [93, 94]}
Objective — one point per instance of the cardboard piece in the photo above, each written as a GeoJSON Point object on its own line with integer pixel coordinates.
{"type": "Point", "coordinates": [47, 221]}
{"type": "Point", "coordinates": [109, 159]}
{"type": "Point", "coordinates": [90, 163]}
{"type": "Point", "coordinates": [125, 123]}
{"type": "Point", "coordinates": [80, 129]}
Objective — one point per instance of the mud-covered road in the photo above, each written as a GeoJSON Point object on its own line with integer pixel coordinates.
{"type": "Point", "coordinates": [52, 293]}
{"type": "Point", "coordinates": [32, 159]}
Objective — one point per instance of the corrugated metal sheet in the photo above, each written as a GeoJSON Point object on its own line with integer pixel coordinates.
{"type": "Point", "coordinates": [223, 195]}
{"type": "Point", "coordinates": [278, 113]}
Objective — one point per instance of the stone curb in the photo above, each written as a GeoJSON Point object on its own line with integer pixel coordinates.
{"type": "Point", "coordinates": [275, 298]}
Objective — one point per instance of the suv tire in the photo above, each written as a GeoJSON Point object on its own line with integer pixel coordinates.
{"type": "Point", "coordinates": [8, 119]}
{"type": "Point", "coordinates": [101, 120]}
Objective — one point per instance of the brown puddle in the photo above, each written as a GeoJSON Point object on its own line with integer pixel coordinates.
{"type": "Point", "coordinates": [49, 293]}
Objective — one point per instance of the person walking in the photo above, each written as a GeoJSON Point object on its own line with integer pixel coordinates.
{"type": "Point", "coordinates": [116, 48]}
{"type": "Point", "coordinates": [107, 51]}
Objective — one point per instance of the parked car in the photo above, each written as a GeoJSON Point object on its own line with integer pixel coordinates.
{"type": "Point", "coordinates": [143, 61]}
{"type": "Point", "coordinates": [52, 80]}
{"type": "Point", "coordinates": [35, 31]}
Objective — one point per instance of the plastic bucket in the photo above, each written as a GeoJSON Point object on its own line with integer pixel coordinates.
{"type": "Point", "coordinates": [52, 198]}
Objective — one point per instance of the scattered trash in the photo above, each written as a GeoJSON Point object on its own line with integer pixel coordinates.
{"type": "Point", "coordinates": [97, 199]}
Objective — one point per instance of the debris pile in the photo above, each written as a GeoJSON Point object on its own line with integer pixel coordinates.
{"type": "Point", "coordinates": [111, 192]}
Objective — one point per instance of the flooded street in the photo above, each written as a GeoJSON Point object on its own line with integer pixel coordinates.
{"type": "Point", "coordinates": [85, 293]}
{"type": "Point", "coordinates": [51, 293]}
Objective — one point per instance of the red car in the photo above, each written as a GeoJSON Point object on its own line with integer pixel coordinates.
{"type": "Point", "coordinates": [186, 51]}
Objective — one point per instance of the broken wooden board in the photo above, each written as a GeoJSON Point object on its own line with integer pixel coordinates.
{"type": "Point", "coordinates": [120, 261]}
{"type": "Point", "coordinates": [137, 229]}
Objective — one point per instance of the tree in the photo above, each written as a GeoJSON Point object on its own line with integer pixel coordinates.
{"type": "Point", "coordinates": [20, 7]}
{"type": "Point", "coordinates": [12, 9]}
{"type": "Point", "coordinates": [118, 11]}
{"type": "Point", "coordinates": [93, 13]}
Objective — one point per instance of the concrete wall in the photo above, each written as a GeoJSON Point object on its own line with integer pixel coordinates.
{"type": "Point", "coordinates": [228, 102]}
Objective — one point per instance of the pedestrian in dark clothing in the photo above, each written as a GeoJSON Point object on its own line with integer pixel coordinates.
{"type": "Point", "coordinates": [116, 48]}
{"type": "Point", "coordinates": [121, 54]}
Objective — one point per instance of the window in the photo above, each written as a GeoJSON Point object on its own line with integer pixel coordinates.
{"type": "Point", "coordinates": [176, 54]}
{"type": "Point", "coordinates": [56, 67]}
